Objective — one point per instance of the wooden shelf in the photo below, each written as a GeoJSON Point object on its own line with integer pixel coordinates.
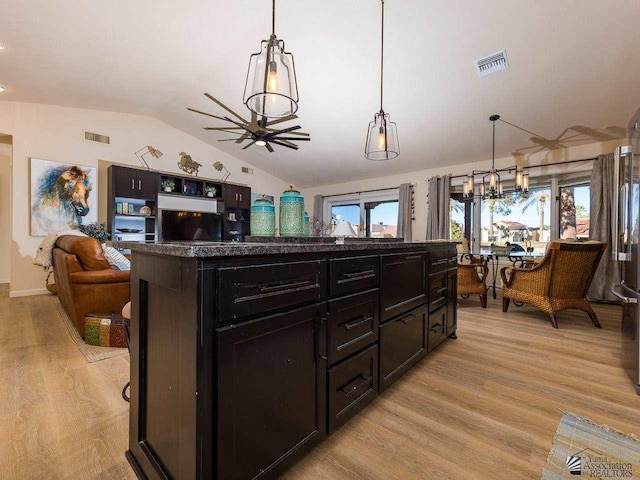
{"type": "Point", "coordinates": [133, 215]}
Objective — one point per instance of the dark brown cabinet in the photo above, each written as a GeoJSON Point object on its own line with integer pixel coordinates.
{"type": "Point", "coordinates": [403, 342]}
{"type": "Point", "coordinates": [403, 283]}
{"type": "Point", "coordinates": [235, 196]}
{"type": "Point", "coordinates": [452, 302]}
{"type": "Point", "coordinates": [437, 328]}
{"type": "Point", "coordinates": [353, 273]}
{"type": "Point", "coordinates": [271, 392]}
{"type": "Point", "coordinates": [133, 183]}
{"type": "Point", "coordinates": [353, 384]}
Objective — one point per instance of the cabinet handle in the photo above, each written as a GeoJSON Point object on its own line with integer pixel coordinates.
{"type": "Point", "coordinates": [363, 274]}
{"type": "Point", "coordinates": [440, 262]}
{"type": "Point", "coordinates": [413, 257]}
{"type": "Point", "coordinates": [407, 318]}
{"type": "Point", "coordinates": [439, 290]}
{"type": "Point", "coordinates": [357, 322]}
{"type": "Point", "coordinates": [284, 286]}
{"type": "Point", "coordinates": [438, 326]}
{"type": "Point", "coordinates": [349, 389]}
{"type": "Point", "coordinates": [133, 184]}
{"type": "Point", "coordinates": [139, 184]}
{"type": "Point", "coordinates": [240, 196]}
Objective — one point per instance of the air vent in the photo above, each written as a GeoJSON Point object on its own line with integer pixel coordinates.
{"type": "Point", "coordinates": [492, 63]}
{"type": "Point", "coordinates": [96, 137]}
{"type": "Point", "coordinates": [247, 170]}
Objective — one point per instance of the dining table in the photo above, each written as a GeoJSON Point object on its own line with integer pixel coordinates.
{"type": "Point", "coordinates": [519, 258]}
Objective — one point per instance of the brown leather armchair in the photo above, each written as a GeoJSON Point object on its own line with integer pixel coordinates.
{"type": "Point", "coordinates": [85, 281]}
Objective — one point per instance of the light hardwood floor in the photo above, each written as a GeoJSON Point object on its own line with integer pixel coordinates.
{"type": "Point", "coordinates": [485, 406]}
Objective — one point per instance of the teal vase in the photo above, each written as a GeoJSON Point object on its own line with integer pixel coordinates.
{"type": "Point", "coordinates": [263, 218]}
{"type": "Point", "coordinates": [291, 213]}
{"type": "Point", "coordinates": [307, 225]}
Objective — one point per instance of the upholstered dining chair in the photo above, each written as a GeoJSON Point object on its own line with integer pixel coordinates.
{"type": "Point", "coordinates": [472, 279]}
{"type": "Point", "coordinates": [559, 282]}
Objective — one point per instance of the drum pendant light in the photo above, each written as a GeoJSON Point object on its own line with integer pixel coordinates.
{"type": "Point", "coordinates": [382, 136]}
{"type": "Point", "coordinates": [271, 89]}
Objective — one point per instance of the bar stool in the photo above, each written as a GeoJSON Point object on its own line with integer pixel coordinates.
{"type": "Point", "coordinates": [126, 315]}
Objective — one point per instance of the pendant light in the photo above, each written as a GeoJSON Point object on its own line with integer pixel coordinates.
{"type": "Point", "coordinates": [382, 136]}
{"type": "Point", "coordinates": [271, 89]}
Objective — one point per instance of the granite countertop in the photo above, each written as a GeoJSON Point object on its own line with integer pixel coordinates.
{"type": "Point", "coordinates": [234, 249]}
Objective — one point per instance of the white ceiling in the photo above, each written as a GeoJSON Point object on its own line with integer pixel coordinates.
{"type": "Point", "coordinates": [573, 63]}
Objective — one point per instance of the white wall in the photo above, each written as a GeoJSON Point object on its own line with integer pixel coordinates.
{"type": "Point", "coordinates": [5, 209]}
{"type": "Point", "coordinates": [56, 133]}
{"type": "Point", "coordinates": [419, 227]}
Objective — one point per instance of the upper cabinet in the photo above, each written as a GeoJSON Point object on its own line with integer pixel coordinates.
{"type": "Point", "coordinates": [133, 183]}
{"type": "Point", "coordinates": [235, 196]}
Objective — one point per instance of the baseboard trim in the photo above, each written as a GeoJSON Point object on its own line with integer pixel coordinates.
{"type": "Point", "coordinates": [28, 293]}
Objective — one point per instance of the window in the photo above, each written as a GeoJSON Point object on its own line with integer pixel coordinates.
{"type": "Point", "coordinates": [457, 218]}
{"type": "Point", "coordinates": [371, 214]}
{"type": "Point", "coordinates": [574, 211]}
{"type": "Point", "coordinates": [517, 218]}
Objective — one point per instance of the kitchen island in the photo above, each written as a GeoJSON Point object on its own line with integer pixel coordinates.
{"type": "Point", "coordinates": [246, 355]}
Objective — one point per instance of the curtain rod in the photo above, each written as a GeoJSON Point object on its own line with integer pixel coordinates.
{"type": "Point", "coordinates": [536, 166]}
{"type": "Point", "coordinates": [366, 191]}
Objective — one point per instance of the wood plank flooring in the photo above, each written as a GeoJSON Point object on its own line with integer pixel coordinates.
{"type": "Point", "coordinates": [485, 406]}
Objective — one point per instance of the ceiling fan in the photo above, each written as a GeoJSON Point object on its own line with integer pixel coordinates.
{"type": "Point", "coordinates": [258, 131]}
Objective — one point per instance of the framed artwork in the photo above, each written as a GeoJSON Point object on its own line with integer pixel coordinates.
{"type": "Point", "coordinates": [62, 195]}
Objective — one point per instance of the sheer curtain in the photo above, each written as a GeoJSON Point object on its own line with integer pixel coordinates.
{"type": "Point", "coordinates": [600, 226]}
{"type": "Point", "coordinates": [438, 223]}
{"type": "Point", "coordinates": [405, 211]}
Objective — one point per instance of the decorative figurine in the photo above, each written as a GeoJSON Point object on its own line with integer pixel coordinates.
{"type": "Point", "coordinates": [187, 164]}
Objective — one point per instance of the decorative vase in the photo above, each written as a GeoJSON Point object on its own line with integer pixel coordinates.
{"type": "Point", "coordinates": [168, 189]}
{"type": "Point", "coordinates": [209, 194]}
{"type": "Point", "coordinates": [307, 225]}
{"type": "Point", "coordinates": [291, 213]}
{"type": "Point", "coordinates": [263, 218]}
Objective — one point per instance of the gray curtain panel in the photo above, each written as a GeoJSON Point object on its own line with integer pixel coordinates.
{"type": "Point", "coordinates": [405, 212]}
{"type": "Point", "coordinates": [438, 223]}
{"type": "Point", "coordinates": [601, 201]}
{"type": "Point", "coordinates": [316, 219]}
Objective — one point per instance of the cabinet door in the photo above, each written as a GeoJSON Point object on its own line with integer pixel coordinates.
{"type": "Point", "coordinates": [452, 302]}
{"type": "Point", "coordinates": [124, 182]}
{"type": "Point", "coordinates": [403, 283]}
{"type": "Point", "coordinates": [271, 398]}
{"type": "Point", "coordinates": [146, 185]}
{"type": "Point", "coordinates": [244, 197]}
{"type": "Point", "coordinates": [403, 342]}
{"type": "Point", "coordinates": [230, 195]}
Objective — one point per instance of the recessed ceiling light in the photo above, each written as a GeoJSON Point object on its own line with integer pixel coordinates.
{"type": "Point", "coordinates": [2, 89]}
{"type": "Point", "coordinates": [1, 46]}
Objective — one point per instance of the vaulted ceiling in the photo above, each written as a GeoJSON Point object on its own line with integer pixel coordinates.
{"type": "Point", "coordinates": [574, 73]}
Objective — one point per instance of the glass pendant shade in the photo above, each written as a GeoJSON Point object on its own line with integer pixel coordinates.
{"type": "Point", "coordinates": [271, 89]}
{"type": "Point", "coordinates": [525, 182]}
{"type": "Point", "coordinates": [382, 139]}
{"type": "Point", "coordinates": [519, 174]}
{"type": "Point", "coordinates": [468, 187]}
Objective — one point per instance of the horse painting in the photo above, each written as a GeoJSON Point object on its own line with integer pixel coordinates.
{"type": "Point", "coordinates": [62, 196]}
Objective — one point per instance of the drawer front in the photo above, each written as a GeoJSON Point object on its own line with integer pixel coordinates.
{"type": "Point", "coordinates": [353, 274]}
{"type": "Point", "coordinates": [437, 328]}
{"type": "Point", "coordinates": [353, 324]}
{"type": "Point", "coordinates": [250, 290]}
{"type": "Point", "coordinates": [352, 385]}
{"type": "Point", "coordinates": [403, 283]}
{"type": "Point", "coordinates": [402, 345]}
{"type": "Point", "coordinates": [437, 290]}
{"type": "Point", "coordinates": [439, 260]}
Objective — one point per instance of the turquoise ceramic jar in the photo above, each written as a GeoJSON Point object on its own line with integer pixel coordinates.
{"type": "Point", "coordinates": [291, 213]}
{"type": "Point", "coordinates": [263, 218]}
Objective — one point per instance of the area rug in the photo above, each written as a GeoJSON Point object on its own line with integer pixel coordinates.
{"type": "Point", "coordinates": [582, 449]}
{"type": "Point", "coordinates": [90, 352]}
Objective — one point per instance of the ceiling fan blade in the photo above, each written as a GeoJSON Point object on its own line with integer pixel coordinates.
{"type": "Point", "coordinates": [205, 113]}
{"type": "Point", "coordinates": [243, 137]}
{"type": "Point", "coordinates": [222, 129]}
{"type": "Point", "coordinates": [302, 134]}
{"type": "Point", "coordinates": [288, 145]}
{"type": "Point", "coordinates": [287, 130]}
{"type": "Point", "coordinates": [213, 99]}
{"type": "Point", "coordinates": [244, 126]}
{"type": "Point", "coordinates": [293, 138]}
{"type": "Point", "coordinates": [231, 132]}
{"type": "Point", "coordinates": [281, 120]}
{"type": "Point", "coordinates": [248, 145]}
{"type": "Point", "coordinates": [269, 147]}
{"type": "Point", "coordinates": [285, 141]}
{"type": "Point", "coordinates": [227, 140]}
